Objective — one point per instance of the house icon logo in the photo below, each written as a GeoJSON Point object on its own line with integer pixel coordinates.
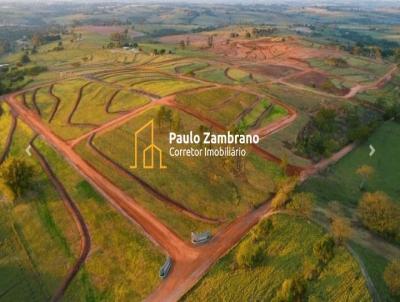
{"type": "Point", "coordinates": [149, 152]}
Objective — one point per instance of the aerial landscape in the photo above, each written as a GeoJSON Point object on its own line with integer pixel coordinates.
{"type": "Point", "coordinates": [200, 151]}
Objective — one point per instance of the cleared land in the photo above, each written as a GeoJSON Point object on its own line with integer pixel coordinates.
{"type": "Point", "coordinates": [178, 181]}
{"type": "Point", "coordinates": [36, 256]}
{"type": "Point", "coordinates": [287, 249]}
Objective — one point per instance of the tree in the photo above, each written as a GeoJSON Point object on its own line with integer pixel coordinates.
{"type": "Point", "coordinates": [379, 213]}
{"type": "Point", "coordinates": [397, 55]}
{"type": "Point", "coordinates": [283, 190]}
{"type": "Point", "coordinates": [391, 276]}
{"type": "Point", "coordinates": [182, 44]}
{"type": "Point", "coordinates": [323, 248]}
{"type": "Point", "coordinates": [17, 175]}
{"type": "Point", "coordinates": [176, 121]}
{"type": "Point", "coordinates": [36, 39]}
{"type": "Point", "coordinates": [261, 230]}
{"type": "Point", "coordinates": [5, 47]}
{"type": "Point", "coordinates": [366, 172]}
{"type": "Point", "coordinates": [284, 163]}
{"type": "Point", "coordinates": [249, 254]}
{"type": "Point", "coordinates": [119, 38]}
{"type": "Point", "coordinates": [25, 58]}
{"type": "Point", "coordinates": [160, 117]}
{"type": "Point", "coordinates": [340, 229]}
{"type": "Point", "coordinates": [302, 203]}
{"type": "Point", "coordinates": [168, 117]}
{"type": "Point", "coordinates": [292, 290]}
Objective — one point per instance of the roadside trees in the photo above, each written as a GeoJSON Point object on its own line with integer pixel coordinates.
{"type": "Point", "coordinates": [16, 175]}
{"type": "Point", "coordinates": [392, 277]}
{"type": "Point", "coordinates": [366, 172]}
{"type": "Point", "coordinates": [302, 203]}
{"type": "Point", "coordinates": [379, 214]}
{"type": "Point", "coordinates": [292, 289]}
{"type": "Point", "coordinates": [341, 229]}
{"type": "Point", "coordinates": [323, 249]}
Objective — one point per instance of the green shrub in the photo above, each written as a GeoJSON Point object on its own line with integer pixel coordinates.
{"type": "Point", "coordinates": [261, 231]}
{"type": "Point", "coordinates": [392, 277]}
{"type": "Point", "coordinates": [17, 175]}
{"type": "Point", "coordinates": [379, 214]}
{"type": "Point", "coordinates": [250, 254]}
{"type": "Point", "coordinates": [292, 290]}
{"type": "Point", "coordinates": [323, 249]}
{"type": "Point", "coordinates": [302, 203]}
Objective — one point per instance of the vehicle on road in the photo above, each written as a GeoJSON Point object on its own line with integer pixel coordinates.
{"type": "Point", "coordinates": [166, 268]}
{"type": "Point", "coordinates": [200, 238]}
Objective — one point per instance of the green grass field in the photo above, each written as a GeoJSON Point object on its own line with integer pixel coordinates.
{"type": "Point", "coordinates": [178, 181]}
{"type": "Point", "coordinates": [240, 75]}
{"type": "Point", "coordinates": [39, 240]}
{"type": "Point", "coordinates": [288, 248]}
{"type": "Point", "coordinates": [91, 110]}
{"type": "Point", "coordinates": [375, 265]}
{"type": "Point", "coordinates": [277, 112]}
{"type": "Point", "coordinates": [252, 117]}
{"type": "Point", "coordinates": [35, 256]}
{"type": "Point", "coordinates": [390, 93]}
{"type": "Point", "coordinates": [5, 124]}
{"type": "Point", "coordinates": [191, 67]}
{"type": "Point", "coordinates": [221, 104]}
{"type": "Point", "coordinates": [114, 240]}
{"type": "Point", "coordinates": [167, 86]}
{"type": "Point", "coordinates": [216, 75]}
{"type": "Point", "coordinates": [341, 183]}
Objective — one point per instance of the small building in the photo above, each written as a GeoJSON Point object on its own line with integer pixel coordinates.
{"type": "Point", "coordinates": [166, 268]}
{"type": "Point", "coordinates": [199, 238]}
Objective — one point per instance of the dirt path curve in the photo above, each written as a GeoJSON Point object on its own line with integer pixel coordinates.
{"type": "Point", "coordinates": [291, 169]}
{"type": "Point", "coordinates": [156, 231]}
{"type": "Point", "coordinates": [375, 85]}
{"type": "Point", "coordinates": [79, 222]}
{"type": "Point", "coordinates": [169, 201]}
{"type": "Point", "coordinates": [185, 275]}
{"type": "Point", "coordinates": [76, 105]}
{"type": "Point", "coordinates": [190, 263]}
{"type": "Point", "coordinates": [9, 138]}
{"type": "Point", "coordinates": [56, 104]}
{"type": "Point", "coordinates": [323, 164]}
{"type": "Point", "coordinates": [115, 122]}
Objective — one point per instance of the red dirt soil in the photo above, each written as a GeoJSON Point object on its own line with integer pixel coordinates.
{"type": "Point", "coordinates": [275, 50]}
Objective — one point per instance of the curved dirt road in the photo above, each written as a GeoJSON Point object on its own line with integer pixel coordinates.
{"type": "Point", "coordinates": [190, 263]}
{"type": "Point", "coordinates": [9, 138]}
{"type": "Point", "coordinates": [78, 219]}
{"type": "Point", "coordinates": [169, 201]}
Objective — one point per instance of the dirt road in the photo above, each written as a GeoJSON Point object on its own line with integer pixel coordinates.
{"type": "Point", "coordinates": [375, 85]}
{"type": "Point", "coordinates": [79, 222]}
{"type": "Point", "coordinates": [158, 232]}
{"type": "Point", "coordinates": [190, 263]}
